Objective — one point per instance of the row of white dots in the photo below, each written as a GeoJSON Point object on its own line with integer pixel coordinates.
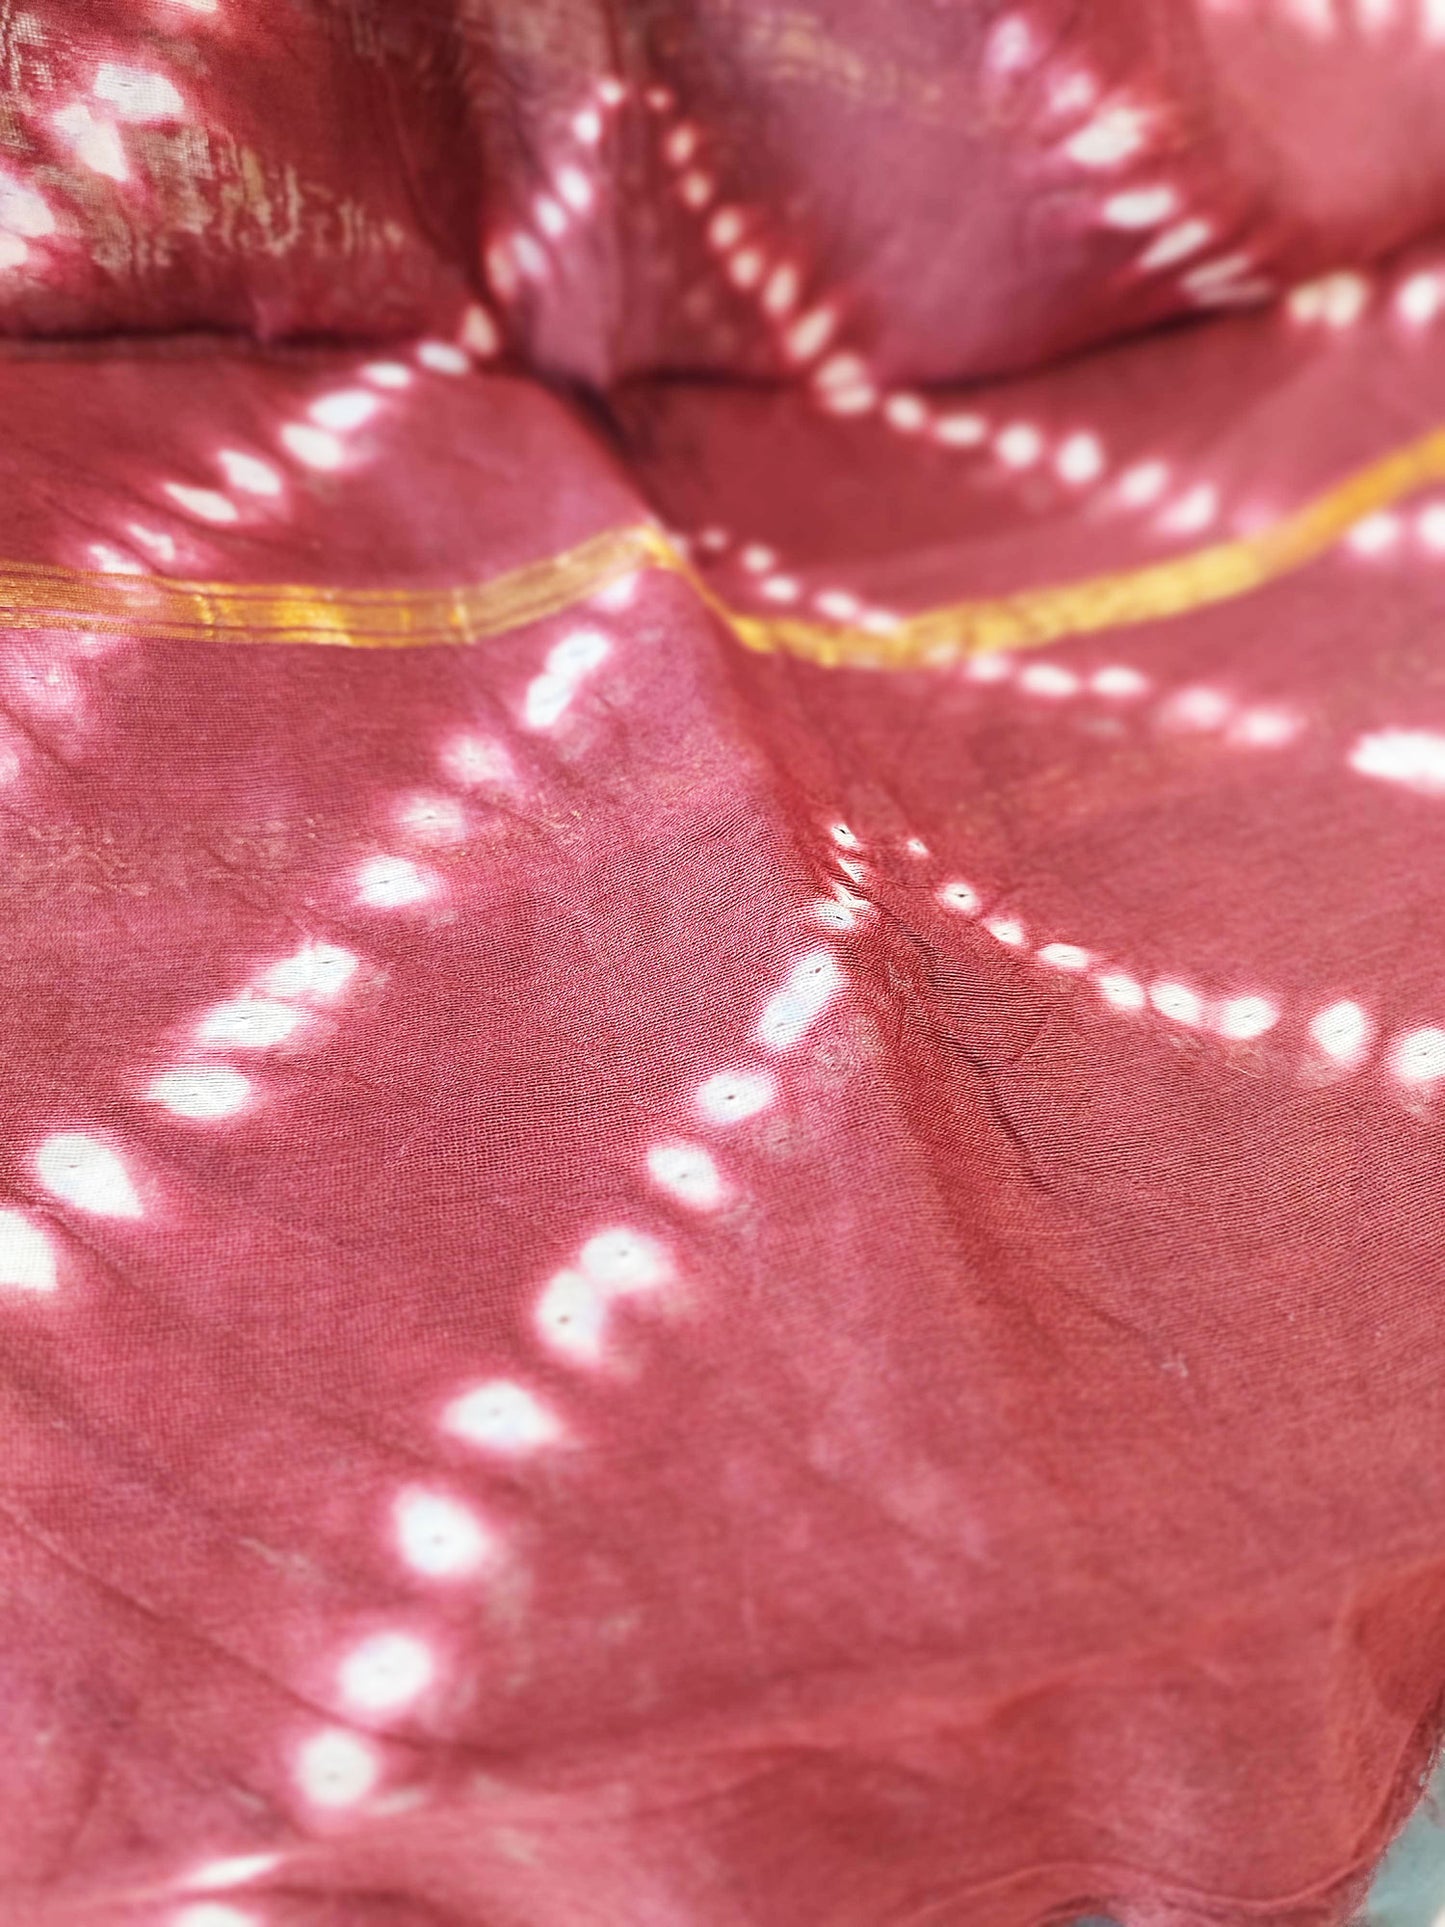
{"type": "Point", "coordinates": [1342, 1032]}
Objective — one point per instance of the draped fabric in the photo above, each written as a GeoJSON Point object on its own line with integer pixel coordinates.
{"type": "Point", "coordinates": [724, 986]}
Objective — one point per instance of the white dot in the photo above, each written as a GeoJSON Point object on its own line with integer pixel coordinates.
{"type": "Point", "coordinates": [855, 398]}
{"type": "Point", "coordinates": [137, 93]}
{"type": "Point", "coordinates": [1143, 484]}
{"type": "Point", "coordinates": [1343, 1032]}
{"type": "Point", "coordinates": [1006, 930]}
{"type": "Point", "coordinates": [112, 561]}
{"type": "Point", "coordinates": [1048, 679]}
{"type": "Point", "coordinates": [1019, 445]}
{"type": "Point", "coordinates": [1177, 1002]}
{"type": "Point", "coordinates": [95, 143]}
{"type": "Point", "coordinates": [757, 559]}
{"type": "Point", "coordinates": [551, 216]}
{"type": "Point", "coordinates": [1072, 93]}
{"type": "Point", "coordinates": [1118, 682]}
{"type": "Point", "coordinates": [961, 897]}
{"type": "Point", "coordinates": [681, 144]}
{"type": "Point", "coordinates": [1140, 207]}
{"type": "Point", "coordinates": [1334, 300]}
{"type": "Point", "coordinates": [530, 257]}
{"type": "Point", "coordinates": [621, 1260]}
{"type": "Point", "coordinates": [1119, 989]}
{"type": "Point", "coordinates": [27, 1257]}
{"type": "Point", "coordinates": [501, 1416]}
{"type": "Point", "coordinates": [443, 358]}
{"type": "Point", "coordinates": [439, 1537]}
{"type": "Point", "coordinates": [688, 1174]}
{"type": "Point", "coordinates": [200, 1090]}
{"type": "Point", "coordinates": [906, 412]}
{"type": "Point", "coordinates": [207, 504]}
{"type": "Point", "coordinates": [1375, 535]}
{"type": "Point", "coordinates": [587, 126]}
{"type": "Point", "coordinates": [313, 446]}
{"type": "Point", "coordinates": [1414, 758]}
{"type": "Point", "coordinates": [1113, 135]}
{"type": "Point", "coordinates": [1419, 1056]}
{"type": "Point", "coordinates": [1346, 298]}
{"type": "Point", "coordinates": [784, 286]}
{"type": "Point", "coordinates": [725, 229]}
{"type": "Point", "coordinates": [236, 1870]}
{"type": "Point", "coordinates": [337, 1769]}
{"type": "Point", "coordinates": [1064, 956]}
{"type": "Point", "coordinates": [959, 431]}
{"type": "Point", "coordinates": [1080, 459]}
{"type": "Point", "coordinates": [251, 1023]}
{"type": "Point", "coordinates": [1430, 526]}
{"type": "Point", "coordinates": [621, 594]}
{"type": "Point", "coordinates": [392, 882]}
{"type": "Point", "coordinates": [1196, 709]}
{"type": "Point", "coordinates": [213, 1913]}
{"type": "Point", "coordinates": [156, 540]}
{"type": "Point", "coordinates": [810, 334]}
{"type": "Point", "coordinates": [1011, 45]}
{"type": "Point", "coordinates": [730, 1096]}
{"type": "Point", "coordinates": [697, 188]}
{"type": "Point", "coordinates": [474, 760]}
{"type": "Point", "coordinates": [809, 988]}
{"type": "Point", "coordinates": [571, 1316]}
{"type": "Point", "coordinates": [1244, 1018]}
{"type": "Point", "coordinates": [547, 700]}
{"type": "Point", "coordinates": [386, 1672]}
{"type": "Point", "coordinates": [344, 409]}
{"type": "Point", "coordinates": [844, 837]}
{"type": "Point", "coordinates": [1175, 244]}
{"type": "Point", "coordinates": [578, 192]}
{"type": "Point", "coordinates": [388, 374]}
{"type": "Point", "coordinates": [837, 605]}
{"type": "Point", "coordinates": [780, 588]}
{"type": "Point", "coordinates": [745, 268]}
{"type": "Point", "coordinates": [992, 667]}
{"type": "Point", "coordinates": [248, 472]}
{"type": "Point", "coordinates": [432, 819]}
{"type": "Point", "coordinates": [1265, 728]}
{"type": "Point", "coordinates": [317, 969]}
{"type": "Point", "coordinates": [1213, 277]}
{"type": "Point", "coordinates": [24, 212]}
{"type": "Point", "coordinates": [1192, 512]}
{"type": "Point", "coordinates": [880, 622]}
{"type": "Point", "coordinates": [1419, 299]}
{"type": "Point", "coordinates": [87, 1173]}
{"type": "Point", "coordinates": [578, 652]}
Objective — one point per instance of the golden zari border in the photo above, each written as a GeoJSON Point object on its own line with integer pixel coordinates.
{"type": "Point", "coordinates": [36, 596]}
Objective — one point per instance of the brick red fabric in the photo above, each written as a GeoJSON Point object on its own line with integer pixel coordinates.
{"type": "Point", "coordinates": [647, 1282]}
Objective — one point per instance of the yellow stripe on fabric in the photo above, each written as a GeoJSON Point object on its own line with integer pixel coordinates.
{"type": "Point", "coordinates": [33, 595]}
{"type": "Point", "coordinates": [39, 596]}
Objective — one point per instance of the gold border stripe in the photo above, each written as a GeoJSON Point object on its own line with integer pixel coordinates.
{"type": "Point", "coordinates": [35, 595]}
{"type": "Point", "coordinates": [1031, 618]}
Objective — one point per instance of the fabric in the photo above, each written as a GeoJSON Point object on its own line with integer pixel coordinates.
{"type": "Point", "coordinates": [272, 168]}
{"type": "Point", "coordinates": [721, 1173]}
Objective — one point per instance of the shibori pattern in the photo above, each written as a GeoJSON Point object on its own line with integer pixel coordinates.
{"type": "Point", "coordinates": [41, 596]}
